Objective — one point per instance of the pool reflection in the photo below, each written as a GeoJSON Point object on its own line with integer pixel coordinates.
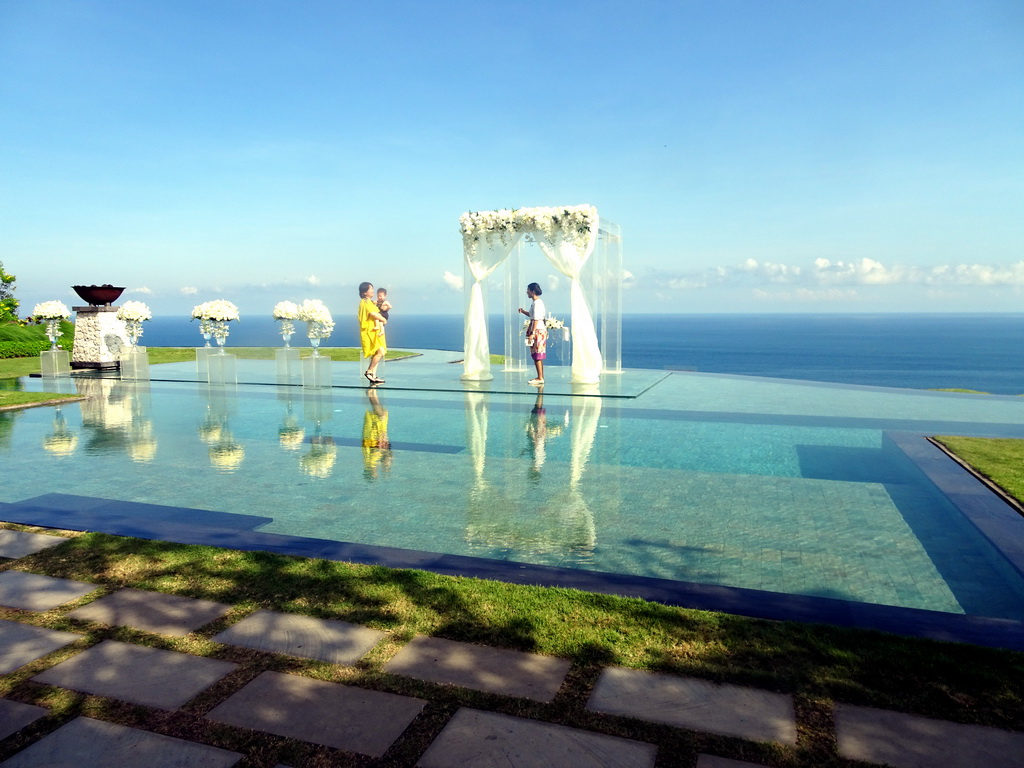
{"type": "Point", "coordinates": [115, 418]}
{"type": "Point", "coordinates": [225, 452]}
{"type": "Point", "coordinates": [508, 509]}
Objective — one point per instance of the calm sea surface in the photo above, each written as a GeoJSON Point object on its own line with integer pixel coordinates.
{"type": "Point", "coordinates": [982, 352]}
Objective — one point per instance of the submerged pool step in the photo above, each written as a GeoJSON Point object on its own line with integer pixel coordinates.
{"type": "Point", "coordinates": [61, 510]}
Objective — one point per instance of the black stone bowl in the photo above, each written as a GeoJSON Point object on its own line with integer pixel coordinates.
{"type": "Point", "coordinates": [98, 295]}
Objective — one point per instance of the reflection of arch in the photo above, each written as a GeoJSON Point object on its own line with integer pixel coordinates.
{"type": "Point", "coordinates": [568, 238]}
{"type": "Point", "coordinates": [507, 514]}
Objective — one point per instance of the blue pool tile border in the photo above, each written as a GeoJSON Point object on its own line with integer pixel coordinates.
{"type": "Point", "coordinates": [83, 513]}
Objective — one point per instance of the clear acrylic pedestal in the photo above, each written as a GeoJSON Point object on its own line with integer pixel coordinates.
{"type": "Point", "coordinates": [202, 355]}
{"type": "Point", "coordinates": [289, 366]}
{"type": "Point", "coordinates": [54, 362]}
{"type": "Point", "coordinates": [222, 368]}
{"type": "Point", "coordinates": [316, 371]}
{"type": "Point", "coordinates": [135, 364]}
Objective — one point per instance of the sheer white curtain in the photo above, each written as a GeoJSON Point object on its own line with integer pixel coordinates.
{"type": "Point", "coordinates": [569, 260]}
{"type": "Point", "coordinates": [477, 364]}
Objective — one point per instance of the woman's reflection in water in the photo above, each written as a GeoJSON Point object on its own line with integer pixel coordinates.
{"type": "Point", "coordinates": [376, 444]}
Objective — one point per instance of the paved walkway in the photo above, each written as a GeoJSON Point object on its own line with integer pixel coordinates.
{"type": "Point", "coordinates": [265, 711]}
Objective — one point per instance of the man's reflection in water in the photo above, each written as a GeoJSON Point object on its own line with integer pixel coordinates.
{"type": "Point", "coordinates": [376, 444]}
{"type": "Point", "coordinates": [538, 431]}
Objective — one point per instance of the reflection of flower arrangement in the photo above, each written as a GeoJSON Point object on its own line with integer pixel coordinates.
{"type": "Point", "coordinates": [571, 223]}
{"type": "Point", "coordinates": [51, 310]}
{"type": "Point", "coordinates": [62, 441]}
{"type": "Point", "coordinates": [227, 456]}
{"type": "Point", "coordinates": [319, 461]}
{"type": "Point", "coordinates": [210, 430]}
{"type": "Point", "coordinates": [318, 318]}
{"type": "Point", "coordinates": [290, 434]}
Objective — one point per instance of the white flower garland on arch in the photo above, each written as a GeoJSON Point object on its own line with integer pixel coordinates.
{"type": "Point", "coordinates": [567, 236]}
{"type": "Point", "coordinates": [573, 224]}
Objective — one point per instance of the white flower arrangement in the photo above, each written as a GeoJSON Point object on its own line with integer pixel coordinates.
{"type": "Point", "coordinates": [134, 311]}
{"type": "Point", "coordinates": [286, 310]}
{"type": "Point", "coordinates": [51, 310]}
{"type": "Point", "coordinates": [219, 310]}
{"type": "Point", "coordinates": [551, 322]}
{"type": "Point", "coordinates": [571, 223]}
{"type": "Point", "coordinates": [318, 317]}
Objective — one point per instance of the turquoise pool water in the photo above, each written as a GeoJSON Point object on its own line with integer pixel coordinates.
{"type": "Point", "coordinates": [787, 488]}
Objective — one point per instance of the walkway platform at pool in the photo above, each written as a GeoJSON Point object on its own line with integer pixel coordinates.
{"type": "Point", "coordinates": [473, 705]}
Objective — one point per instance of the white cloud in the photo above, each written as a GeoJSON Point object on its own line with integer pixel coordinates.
{"type": "Point", "coordinates": [453, 281]}
{"type": "Point", "coordinates": [857, 272]}
{"type": "Point", "coordinates": [189, 290]}
{"type": "Point", "coordinates": [144, 290]}
{"type": "Point", "coordinates": [313, 280]}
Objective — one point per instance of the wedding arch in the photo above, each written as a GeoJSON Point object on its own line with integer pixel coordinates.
{"type": "Point", "coordinates": [568, 237]}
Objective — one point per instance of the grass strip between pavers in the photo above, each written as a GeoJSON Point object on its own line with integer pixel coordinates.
{"type": "Point", "coordinates": [817, 664]}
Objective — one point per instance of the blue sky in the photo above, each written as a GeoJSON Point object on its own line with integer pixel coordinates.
{"type": "Point", "coordinates": [759, 156]}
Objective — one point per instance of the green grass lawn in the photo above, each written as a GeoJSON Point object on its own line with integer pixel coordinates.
{"type": "Point", "coordinates": [1001, 460]}
{"type": "Point", "coordinates": [818, 665]}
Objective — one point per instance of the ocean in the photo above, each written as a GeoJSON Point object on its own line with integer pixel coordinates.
{"type": "Point", "coordinates": [922, 351]}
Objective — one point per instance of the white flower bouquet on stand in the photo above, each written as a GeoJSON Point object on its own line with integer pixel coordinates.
{"type": "Point", "coordinates": [134, 314]}
{"type": "Point", "coordinates": [320, 324]}
{"type": "Point", "coordinates": [287, 312]}
{"type": "Point", "coordinates": [214, 317]}
{"type": "Point", "coordinates": [52, 312]}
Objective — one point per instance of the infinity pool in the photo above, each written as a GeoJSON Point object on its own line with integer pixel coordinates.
{"type": "Point", "coordinates": [781, 487]}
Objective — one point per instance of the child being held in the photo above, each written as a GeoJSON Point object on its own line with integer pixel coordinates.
{"type": "Point", "coordinates": [383, 306]}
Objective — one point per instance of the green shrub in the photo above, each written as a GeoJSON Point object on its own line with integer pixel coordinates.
{"type": "Point", "coordinates": [22, 348]}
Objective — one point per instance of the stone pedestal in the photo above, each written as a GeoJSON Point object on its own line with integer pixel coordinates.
{"type": "Point", "coordinates": [54, 362]}
{"type": "Point", "coordinates": [316, 371]}
{"type": "Point", "coordinates": [135, 364]}
{"type": "Point", "coordinates": [100, 338]}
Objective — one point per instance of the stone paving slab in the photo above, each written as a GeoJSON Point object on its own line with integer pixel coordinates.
{"type": "Point", "coordinates": [473, 738]}
{"type": "Point", "coordinates": [319, 712]}
{"type": "Point", "coordinates": [22, 643]}
{"type": "Point", "coordinates": [910, 741]}
{"type": "Point", "coordinates": [14, 716]}
{"type": "Point", "coordinates": [88, 743]}
{"type": "Point", "coordinates": [493, 670]}
{"type": "Point", "coordinates": [337, 642]}
{"type": "Point", "coordinates": [151, 676]}
{"type": "Point", "coordinates": [700, 705]}
{"type": "Point", "coordinates": [172, 615]}
{"type": "Point", "coordinates": [15, 544]}
{"type": "Point", "coordinates": [33, 592]}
